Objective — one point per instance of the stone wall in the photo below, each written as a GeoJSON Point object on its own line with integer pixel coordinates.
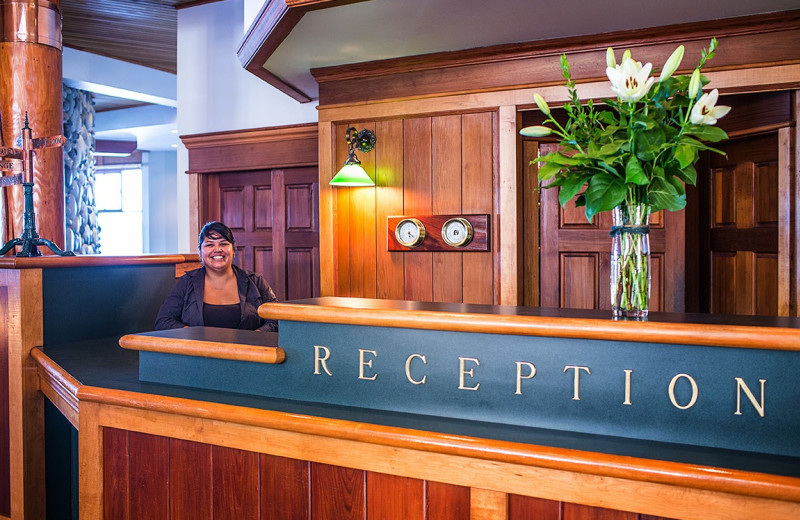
{"type": "Point", "coordinates": [82, 232]}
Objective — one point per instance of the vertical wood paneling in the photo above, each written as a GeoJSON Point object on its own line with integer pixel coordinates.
{"type": "Point", "coordinates": [486, 504]}
{"type": "Point", "coordinates": [341, 219]}
{"type": "Point", "coordinates": [235, 484]}
{"type": "Point", "coordinates": [5, 441]}
{"type": "Point", "coordinates": [233, 203]}
{"type": "Point", "coordinates": [277, 271]}
{"type": "Point", "coordinates": [529, 241]}
{"type": "Point", "coordinates": [417, 178]}
{"type": "Point", "coordinates": [390, 497]}
{"type": "Point", "coordinates": [299, 273]}
{"type": "Point", "coordinates": [148, 489]}
{"type": "Point", "coordinates": [446, 199]}
{"type": "Point", "coordinates": [190, 480]}
{"type": "Point", "coordinates": [337, 493]}
{"type": "Point", "coordinates": [363, 230]}
{"type": "Point", "coordinates": [263, 208]}
{"type": "Point", "coordinates": [580, 273]}
{"type": "Point", "coordinates": [581, 512]}
{"type": "Point", "coordinates": [284, 488]}
{"type": "Point", "coordinates": [447, 501]}
{"type": "Point", "coordinates": [766, 285]}
{"type": "Point", "coordinates": [389, 201]}
{"type": "Point", "coordinates": [477, 196]}
{"type": "Point", "coordinates": [115, 474]}
{"type": "Point", "coordinates": [524, 508]}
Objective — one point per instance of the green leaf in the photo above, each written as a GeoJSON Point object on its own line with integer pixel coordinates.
{"type": "Point", "coordinates": [677, 184]}
{"type": "Point", "coordinates": [648, 143]}
{"type": "Point", "coordinates": [604, 193]}
{"type": "Point", "coordinates": [634, 174]}
{"type": "Point", "coordinates": [706, 133]}
{"type": "Point", "coordinates": [571, 185]}
{"type": "Point", "coordinates": [663, 195]}
{"type": "Point", "coordinates": [688, 175]}
{"type": "Point", "coordinates": [549, 169]}
{"type": "Point", "coordinates": [685, 154]}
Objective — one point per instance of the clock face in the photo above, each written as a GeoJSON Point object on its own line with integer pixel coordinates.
{"type": "Point", "coordinates": [457, 232]}
{"type": "Point", "coordinates": [410, 232]}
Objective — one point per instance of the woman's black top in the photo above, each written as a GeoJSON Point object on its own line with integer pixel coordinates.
{"type": "Point", "coordinates": [225, 316]}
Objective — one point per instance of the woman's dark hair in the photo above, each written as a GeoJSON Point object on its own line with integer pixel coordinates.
{"type": "Point", "coordinates": [215, 230]}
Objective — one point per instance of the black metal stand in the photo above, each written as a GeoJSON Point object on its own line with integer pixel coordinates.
{"type": "Point", "coordinates": [30, 239]}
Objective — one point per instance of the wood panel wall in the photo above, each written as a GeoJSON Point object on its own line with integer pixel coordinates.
{"type": "Point", "coordinates": [151, 476]}
{"type": "Point", "coordinates": [5, 447]}
{"type": "Point", "coordinates": [440, 164]}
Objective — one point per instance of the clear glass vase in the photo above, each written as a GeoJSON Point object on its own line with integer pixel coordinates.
{"type": "Point", "coordinates": [630, 261]}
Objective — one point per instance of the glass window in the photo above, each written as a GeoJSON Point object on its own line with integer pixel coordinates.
{"type": "Point", "coordinates": [118, 195]}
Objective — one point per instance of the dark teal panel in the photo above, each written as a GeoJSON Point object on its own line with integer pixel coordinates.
{"type": "Point", "coordinates": [546, 400]}
{"type": "Point", "coordinates": [94, 302]}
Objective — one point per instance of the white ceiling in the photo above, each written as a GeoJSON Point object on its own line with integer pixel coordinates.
{"type": "Point", "coordinates": [381, 29]}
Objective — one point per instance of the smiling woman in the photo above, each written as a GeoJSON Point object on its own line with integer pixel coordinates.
{"type": "Point", "coordinates": [219, 294]}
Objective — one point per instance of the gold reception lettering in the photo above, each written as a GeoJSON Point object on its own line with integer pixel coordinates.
{"type": "Point", "coordinates": [321, 360]}
{"type": "Point", "coordinates": [408, 369]}
{"type": "Point", "coordinates": [520, 377]}
{"type": "Point", "coordinates": [741, 385]}
{"type": "Point", "coordinates": [368, 363]}
{"type": "Point", "coordinates": [672, 391]}
{"type": "Point", "coordinates": [576, 391]}
{"type": "Point", "coordinates": [628, 373]}
{"type": "Point", "coordinates": [469, 372]}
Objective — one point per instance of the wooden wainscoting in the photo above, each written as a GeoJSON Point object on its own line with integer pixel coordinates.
{"type": "Point", "coordinates": [431, 165]}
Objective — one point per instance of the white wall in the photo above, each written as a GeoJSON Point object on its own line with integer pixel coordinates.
{"type": "Point", "coordinates": [159, 211]}
{"type": "Point", "coordinates": [215, 93]}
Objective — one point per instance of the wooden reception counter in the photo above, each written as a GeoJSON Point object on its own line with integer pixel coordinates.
{"type": "Point", "coordinates": [384, 410]}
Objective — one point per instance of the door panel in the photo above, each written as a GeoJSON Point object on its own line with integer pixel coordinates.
{"type": "Point", "coordinates": [274, 215]}
{"type": "Point", "coordinates": [744, 227]}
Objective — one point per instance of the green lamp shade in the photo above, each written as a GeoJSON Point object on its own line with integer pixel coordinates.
{"type": "Point", "coordinates": [352, 175]}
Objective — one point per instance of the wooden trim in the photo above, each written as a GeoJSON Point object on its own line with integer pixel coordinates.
{"type": "Point", "coordinates": [613, 466]}
{"type": "Point", "coordinates": [250, 136]}
{"type": "Point", "coordinates": [58, 386]}
{"type": "Point", "coordinates": [779, 77]}
{"type": "Point", "coordinates": [53, 261]}
{"type": "Point", "coordinates": [795, 210]}
{"type": "Point", "coordinates": [705, 334]}
{"type": "Point", "coordinates": [784, 222]}
{"type": "Point", "coordinates": [193, 3]}
{"type": "Point", "coordinates": [255, 149]}
{"type": "Point", "coordinates": [90, 463]}
{"type": "Point", "coordinates": [184, 347]}
{"type": "Point", "coordinates": [327, 210]}
{"type": "Point", "coordinates": [509, 208]}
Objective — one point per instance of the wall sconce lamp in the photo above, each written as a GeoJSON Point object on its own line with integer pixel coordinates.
{"type": "Point", "coordinates": [352, 174]}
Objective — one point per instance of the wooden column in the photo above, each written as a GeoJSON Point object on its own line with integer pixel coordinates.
{"type": "Point", "coordinates": [30, 81]}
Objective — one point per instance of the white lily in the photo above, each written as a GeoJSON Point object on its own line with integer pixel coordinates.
{"type": "Point", "coordinates": [705, 112]}
{"type": "Point", "coordinates": [535, 131]}
{"type": "Point", "coordinates": [630, 80]}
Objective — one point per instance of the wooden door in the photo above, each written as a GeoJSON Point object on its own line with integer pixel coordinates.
{"type": "Point", "coordinates": [274, 215]}
{"type": "Point", "coordinates": [575, 256]}
{"type": "Point", "coordinates": [745, 258]}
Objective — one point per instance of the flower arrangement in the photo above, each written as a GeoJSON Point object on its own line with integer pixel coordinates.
{"type": "Point", "coordinates": [632, 158]}
{"type": "Point", "coordinates": [644, 148]}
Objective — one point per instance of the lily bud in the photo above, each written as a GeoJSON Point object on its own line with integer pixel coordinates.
{"type": "Point", "coordinates": [672, 63]}
{"type": "Point", "coordinates": [626, 55]}
{"type": "Point", "coordinates": [611, 60]}
{"type": "Point", "coordinates": [542, 104]}
{"type": "Point", "coordinates": [694, 84]}
{"type": "Point", "coordinates": [535, 131]}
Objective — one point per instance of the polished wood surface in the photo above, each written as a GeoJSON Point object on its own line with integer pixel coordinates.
{"type": "Point", "coordinates": [52, 261]}
{"type": "Point", "coordinates": [5, 447]}
{"type": "Point", "coordinates": [422, 165]}
{"type": "Point", "coordinates": [732, 331]}
{"type": "Point", "coordinates": [217, 350]}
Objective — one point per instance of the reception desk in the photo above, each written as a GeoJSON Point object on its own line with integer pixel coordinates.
{"type": "Point", "coordinates": [384, 409]}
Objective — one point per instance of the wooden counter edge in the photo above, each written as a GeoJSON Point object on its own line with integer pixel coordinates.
{"type": "Point", "coordinates": [605, 465]}
{"type": "Point", "coordinates": [54, 261]}
{"type": "Point", "coordinates": [208, 349]}
{"type": "Point", "coordinates": [58, 386]}
{"type": "Point", "coordinates": [741, 336]}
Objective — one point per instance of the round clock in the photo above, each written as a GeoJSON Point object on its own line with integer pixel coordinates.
{"type": "Point", "coordinates": [410, 232]}
{"type": "Point", "coordinates": [457, 232]}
